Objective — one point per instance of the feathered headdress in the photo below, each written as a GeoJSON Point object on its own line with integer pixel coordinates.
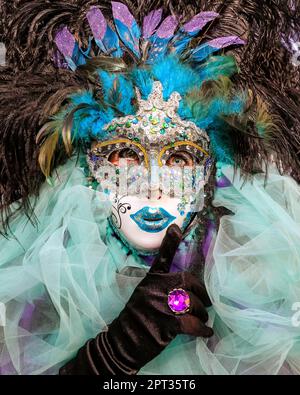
{"type": "Point", "coordinates": [74, 66]}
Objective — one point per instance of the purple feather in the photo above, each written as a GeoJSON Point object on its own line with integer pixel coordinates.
{"type": "Point", "coordinates": [121, 12]}
{"type": "Point", "coordinates": [167, 28]}
{"type": "Point", "coordinates": [194, 26]}
{"type": "Point", "coordinates": [97, 22]}
{"type": "Point", "coordinates": [161, 38]}
{"type": "Point", "coordinates": [205, 50]}
{"type": "Point", "coordinates": [127, 27]}
{"type": "Point", "coordinates": [106, 39]}
{"type": "Point", "coordinates": [65, 42]}
{"type": "Point", "coordinates": [223, 42]}
{"type": "Point", "coordinates": [151, 22]}
{"type": "Point", "coordinates": [191, 29]}
{"type": "Point", "coordinates": [59, 60]}
{"type": "Point", "coordinates": [67, 46]}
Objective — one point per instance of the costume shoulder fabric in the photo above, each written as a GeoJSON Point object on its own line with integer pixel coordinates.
{"type": "Point", "coordinates": [64, 281]}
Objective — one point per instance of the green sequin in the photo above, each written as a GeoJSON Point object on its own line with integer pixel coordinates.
{"type": "Point", "coordinates": [184, 135]}
{"type": "Point", "coordinates": [95, 185]}
{"type": "Point", "coordinates": [112, 128]}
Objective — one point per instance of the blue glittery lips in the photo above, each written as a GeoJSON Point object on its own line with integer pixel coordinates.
{"type": "Point", "coordinates": [152, 220]}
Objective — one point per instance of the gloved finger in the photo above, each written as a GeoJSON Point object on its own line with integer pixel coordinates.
{"type": "Point", "coordinates": [191, 325]}
{"type": "Point", "coordinates": [193, 284]}
{"type": "Point", "coordinates": [197, 308]}
{"type": "Point", "coordinates": [167, 250]}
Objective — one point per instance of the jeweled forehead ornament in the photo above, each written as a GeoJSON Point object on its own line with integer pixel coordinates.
{"type": "Point", "coordinates": [156, 125]}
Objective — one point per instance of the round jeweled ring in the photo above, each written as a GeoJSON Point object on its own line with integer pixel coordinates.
{"type": "Point", "coordinates": [179, 301]}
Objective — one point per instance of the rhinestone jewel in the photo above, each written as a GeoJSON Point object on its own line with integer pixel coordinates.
{"type": "Point", "coordinates": [179, 301]}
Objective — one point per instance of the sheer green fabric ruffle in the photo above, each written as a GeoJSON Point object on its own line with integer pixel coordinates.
{"type": "Point", "coordinates": [63, 281]}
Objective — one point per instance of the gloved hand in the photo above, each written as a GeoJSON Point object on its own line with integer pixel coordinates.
{"type": "Point", "coordinates": [146, 325]}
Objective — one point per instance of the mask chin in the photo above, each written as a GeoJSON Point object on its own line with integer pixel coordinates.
{"type": "Point", "coordinates": [132, 247]}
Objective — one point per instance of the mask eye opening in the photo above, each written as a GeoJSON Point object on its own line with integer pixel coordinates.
{"type": "Point", "coordinates": [188, 146]}
{"type": "Point", "coordinates": [106, 148]}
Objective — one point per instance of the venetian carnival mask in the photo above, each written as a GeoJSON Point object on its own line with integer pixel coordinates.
{"type": "Point", "coordinates": [156, 92]}
{"type": "Point", "coordinates": [154, 163]}
{"type": "Point", "coordinates": [153, 167]}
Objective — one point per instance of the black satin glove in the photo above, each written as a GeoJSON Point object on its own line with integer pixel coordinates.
{"type": "Point", "coordinates": [146, 325]}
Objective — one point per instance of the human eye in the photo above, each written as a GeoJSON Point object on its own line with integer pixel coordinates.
{"type": "Point", "coordinates": [126, 154]}
{"type": "Point", "coordinates": [180, 159]}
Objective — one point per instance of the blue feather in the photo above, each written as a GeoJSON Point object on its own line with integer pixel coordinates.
{"type": "Point", "coordinates": [118, 91]}
{"type": "Point", "coordinates": [192, 29]}
{"type": "Point", "coordinates": [143, 80]}
{"type": "Point", "coordinates": [80, 56]}
{"type": "Point", "coordinates": [181, 42]}
{"type": "Point", "coordinates": [88, 123]}
{"type": "Point", "coordinates": [127, 27]}
{"type": "Point", "coordinates": [221, 146]}
{"type": "Point", "coordinates": [160, 40]}
{"type": "Point", "coordinates": [129, 37]}
{"type": "Point", "coordinates": [127, 94]}
{"type": "Point", "coordinates": [70, 61]}
{"type": "Point", "coordinates": [106, 39]}
{"type": "Point", "coordinates": [111, 43]}
{"type": "Point", "coordinates": [203, 51]}
{"type": "Point", "coordinates": [69, 48]}
{"type": "Point", "coordinates": [175, 76]}
{"type": "Point", "coordinates": [217, 66]}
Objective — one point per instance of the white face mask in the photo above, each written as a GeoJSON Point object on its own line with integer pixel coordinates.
{"type": "Point", "coordinates": [151, 197]}
{"type": "Point", "coordinates": [156, 145]}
